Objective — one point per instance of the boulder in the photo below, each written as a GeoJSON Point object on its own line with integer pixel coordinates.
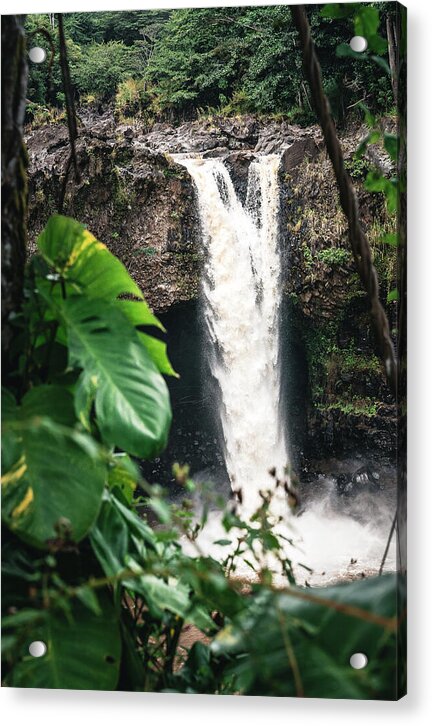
{"type": "Point", "coordinates": [298, 151]}
{"type": "Point", "coordinates": [238, 164]}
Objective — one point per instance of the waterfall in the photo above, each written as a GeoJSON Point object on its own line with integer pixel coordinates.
{"type": "Point", "coordinates": [242, 294]}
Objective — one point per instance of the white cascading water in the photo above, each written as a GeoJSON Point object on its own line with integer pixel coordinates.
{"type": "Point", "coordinates": [242, 292]}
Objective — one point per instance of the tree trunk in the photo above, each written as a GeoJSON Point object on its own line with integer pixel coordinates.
{"type": "Point", "coordinates": [14, 175]}
{"type": "Point", "coordinates": [392, 39]}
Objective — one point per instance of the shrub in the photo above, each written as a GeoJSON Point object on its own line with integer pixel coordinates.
{"type": "Point", "coordinates": [130, 97]}
{"type": "Point", "coordinates": [102, 66]}
{"type": "Point", "coordinates": [334, 256]}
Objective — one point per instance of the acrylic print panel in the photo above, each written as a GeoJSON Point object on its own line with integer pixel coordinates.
{"type": "Point", "coordinates": [204, 244]}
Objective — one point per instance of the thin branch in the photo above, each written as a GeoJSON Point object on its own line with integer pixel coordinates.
{"type": "Point", "coordinates": [70, 103]}
{"type": "Point", "coordinates": [350, 610]}
{"type": "Point", "coordinates": [291, 655]}
{"type": "Point", "coordinates": [389, 539]}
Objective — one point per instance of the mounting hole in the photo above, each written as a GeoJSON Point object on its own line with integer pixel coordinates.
{"type": "Point", "coordinates": [37, 54]}
{"type": "Point", "coordinates": [358, 661]}
{"type": "Point", "coordinates": [37, 649]}
{"type": "Point", "coordinates": [358, 44]}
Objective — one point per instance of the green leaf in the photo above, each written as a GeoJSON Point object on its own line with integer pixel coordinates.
{"type": "Point", "coordinates": [133, 667]}
{"type": "Point", "coordinates": [139, 313]}
{"type": "Point", "coordinates": [366, 24]}
{"type": "Point", "coordinates": [369, 116]}
{"type": "Point", "coordinates": [157, 351]}
{"type": "Point", "coordinates": [338, 11]}
{"type": "Point", "coordinates": [269, 540]}
{"type": "Point", "coordinates": [80, 259]}
{"type": "Point", "coordinates": [376, 182]}
{"type": "Point", "coordinates": [83, 653]}
{"type": "Point", "coordinates": [52, 401]}
{"type": "Point", "coordinates": [382, 63]}
{"type": "Point", "coordinates": [370, 138]}
{"type": "Point", "coordinates": [23, 618]}
{"type": "Point", "coordinates": [159, 594]}
{"type": "Point", "coordinates": [131, 398]}
{"type": "Point", "coordinates": [87, 596]}
{"type": "Point", "coordinates": [391, 239]}
{"type": "Point", "coordinates": [109, 538]}
{"type": "Point", "coordinates": [379, 45]}
{"type": "Point", "coordinates": [123, 475]}
{"type": "Point", "coordinates": [161, 508]}
{"type": "Point", "coordinates": [8, 404]}
{"type": "Point", "coordinates": [137, 527]}
{"type": "Point", "coordinates": [343, 50]}
{"type": "Point", "coordinates": [393, 295]}
{"type": "Point", "coordinates": [366, 21]}
{"type": "Point", "coordinates": [52, 489]}
{"type": "Point", "coordinates": [198, 674]}
{"type": "Point", "coordinates": [391, 145]}
{"type": "Point", "coordinates": [10, 444]}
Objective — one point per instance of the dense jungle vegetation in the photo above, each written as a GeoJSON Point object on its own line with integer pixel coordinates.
{"type": "Point", "coordinates": [176, 64]}
{"type": "Point", "coordinates": [93, 563]}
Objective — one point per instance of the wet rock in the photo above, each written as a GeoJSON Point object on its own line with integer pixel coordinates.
{"type": "Point", "coordinates": [363, 479]}
{"type": "Point", "coordinates": [214, 153]}
{"type": "Point", "coordinates": [275, 137]}
{"type": "Point", "coordinates": [238, 164]}
{"type": "Point", "coordinates": [334, 431]}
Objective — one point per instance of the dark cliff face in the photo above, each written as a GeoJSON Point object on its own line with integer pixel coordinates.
{"type": "Point", "coordinates": [138, 201]}
{"type": "Point", "coordinates": [349, 407]}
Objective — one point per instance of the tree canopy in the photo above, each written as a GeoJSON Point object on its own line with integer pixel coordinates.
{"type": "Point", "coordinates": [230, 60]}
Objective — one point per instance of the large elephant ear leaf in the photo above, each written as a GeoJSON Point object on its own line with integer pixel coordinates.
{"type": "Point", "coordinates": [83, 651]}
{"type": "Point", "coordinates": [131, 398]}
{"type": "Point", "coordinates": [51, 471]}
{"type": "Point", "coordinates": [84, 262]}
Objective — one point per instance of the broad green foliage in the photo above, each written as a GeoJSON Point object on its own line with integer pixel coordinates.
{"type": "Point", "coordinates": [367, 23]}
{"type": "Point", "coordinates": [46, 459]}
{"type": "Point", "coordinates": [130, 397]}
{"type": "Point", "coordinates": [50, 449]}
{"type": "Point", "coordinates": [60, 424]}
{"type": "Point", "coordinates": [177, 63]}
{"type": "Point", "coordinates": [100, 67]}
{"type": "Point", "coordinates": [104, 49]}
{"type": "Point", "coordinates": [297, 652]}
{"type": "Point", "coordinates": [83, 649]}
{"type": "Point", "coordinates": [83, 262]}
{"type": "Point", "coordinates": [240, 60]}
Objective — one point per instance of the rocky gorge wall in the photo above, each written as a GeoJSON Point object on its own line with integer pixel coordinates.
{"type": "Point", "coordinates": [141, 203]}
